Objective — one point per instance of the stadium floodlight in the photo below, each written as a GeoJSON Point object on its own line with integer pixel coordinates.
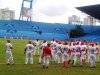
{"type": "Point", "coordinates": [28, 0]}
{"type": "Point", "coordinates": [26, 11]}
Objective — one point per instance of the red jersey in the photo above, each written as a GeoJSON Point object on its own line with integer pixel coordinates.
{"type": "Point", "coordinates": [46, 51]}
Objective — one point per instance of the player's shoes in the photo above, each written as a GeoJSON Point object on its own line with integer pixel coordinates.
{"type": "Point", "coordinates": [46, 66]}
{"type": "Point", "coordinates": [7, 64]}
{"type": "Point", "coordinates": [43, 66]}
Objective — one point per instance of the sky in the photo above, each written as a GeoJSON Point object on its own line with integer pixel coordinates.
{"type": "Point", "coordinates": [52, 11]}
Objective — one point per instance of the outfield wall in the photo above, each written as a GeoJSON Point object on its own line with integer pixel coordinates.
{"type": "Point", "coordinates": [34, 30]}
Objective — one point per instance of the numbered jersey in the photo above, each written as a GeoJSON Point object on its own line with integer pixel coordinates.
{"type": "Point", "coordinates": [36, 43]}
{"type": "Point", "coordinates": [65, 49]}
{"type": "Point", "coordinates": [52, 42]}
{"type": "Point", "coordinates": [29, 47]}
{"type": "Point", "coordinates": [92, 50]}
{"type": "Point", "coordinates": [8, 47]}
{"type": "Point", "coordinates": [83, 49]}
{"type": "Point", "coordinates": [53, 45]}
{"type": "Point", "coordinates": [43, 45]}
{"type": "Point", "coordinates": [59, 48]}
{"type": "Point", "coordinates": [78, 48]}
{"type": "Point", "coordinates": [73, 49]}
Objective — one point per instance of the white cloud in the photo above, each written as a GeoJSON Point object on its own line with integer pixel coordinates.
{"type": "Point", "coordinates": [49, 10]}
{"type": "Point", "coordinates": [53, 10]}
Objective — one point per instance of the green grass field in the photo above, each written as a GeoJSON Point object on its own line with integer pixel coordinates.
{"type": "Point", "coordinates": [36, 69]}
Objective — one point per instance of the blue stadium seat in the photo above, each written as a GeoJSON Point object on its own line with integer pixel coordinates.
{"type": "Point", "coordinates": [40, 30]}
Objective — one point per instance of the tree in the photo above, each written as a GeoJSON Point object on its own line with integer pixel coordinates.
{"type": "Point", "coordinates": [76, 32]}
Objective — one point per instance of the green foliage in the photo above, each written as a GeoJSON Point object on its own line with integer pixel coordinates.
{"type": "Point", "coordinates": [76, 32]}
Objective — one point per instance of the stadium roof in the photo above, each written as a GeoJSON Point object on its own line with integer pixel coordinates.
{"type": "Point", "coordinates": [92, 10]}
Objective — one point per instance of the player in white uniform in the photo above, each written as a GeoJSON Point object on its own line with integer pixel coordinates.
{"type": "Point", "coordinates": [87, 44]}
{"type": "Point", "coordinates": [53, 40]}
{"type": "Point", "coordinates": [72, 54]}
{"type": "Point", "coordinates": [9, 57]}
{"type": "Point", "coordinates": [79, 42]}
{"type": "Point", "coordinates": [83, 53]}
{"type": "Point", "coordinates": [53, 51]}
{"type": "Point", "coordinates": [55, 55]}
{"type": "Point", "coordinates": [78, 51]}
{"type": "Point", "coordinates": [59, 53]}
{"type": "Point", "coordinates": [65, 55]}
{"type": "Point", "coordinates": [97, 52]}
{"type": "Point", "coordinates": [92, 57]}
{"type": "Point", "coordinates": [72, 42]}
{"type": "Point", "coordinates": [41, 51]}
{"type": "Point", "coordinates": [29, 52]}
{"type": "Point", "coordinates": [36, 46]}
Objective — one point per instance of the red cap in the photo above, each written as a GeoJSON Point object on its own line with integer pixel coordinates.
{"type": "Point", "coordinates": [59, 42]}
{"type": "Point", "coordinates": [92, 44]}
{"type": "Point", "coordinates": [82, 43]}
{"type": "Point", "coordinates": [65, 43]}
{"type": "Point", "coordinates": [44, 41]}
{"type": "Point", "coordinates": [77, 43]}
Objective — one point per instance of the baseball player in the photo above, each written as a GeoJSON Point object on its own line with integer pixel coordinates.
{"type": "Point", "coordinates": [83, 53]}
{"type": "Point", "coordinates": [58, 50]}
{"type": "Point", "coordinates": [9, 57]}
{"type": "Point", "coordinates": [92, 57]}
{"type": "Point", "coordinates": [53, 51]}
{"type": "Point", "coordinates": [65, 55]}
{"type": "Point", "coordinates": [36, 46]}
{"type": "Point", "coordinates": [72, 53]}
{"type": "Point", "coordinates": [97, 51]}
{"type": "Point", "coordinates": [46, 55]}
{"type": "Point", "coordinates": [78, 51]}
{"type": "Point", "coordinates": [41, 51]}
{"type": "Point", "coordinates": [28, 51]}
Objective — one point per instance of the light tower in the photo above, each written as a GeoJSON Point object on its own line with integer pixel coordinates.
{"type": "Point", "coordinates": [26, 11]}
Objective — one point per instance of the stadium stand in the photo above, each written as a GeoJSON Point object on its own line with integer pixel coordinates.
{"type": "Point", "coordinates": [93, 36]}
{"type": "Point", "coordinates": [32, 30]}
{"type": "Point", "coordinates": [40, 30]}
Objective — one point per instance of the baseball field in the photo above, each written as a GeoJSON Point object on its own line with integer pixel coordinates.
{"type": "Point", "coordinates": [36, 69]}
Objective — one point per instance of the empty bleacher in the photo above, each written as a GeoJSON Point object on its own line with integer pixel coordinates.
{"type": "Point", "coordinates": [32, 30]}
{"type": "Point", "coordinates": [40, 30]}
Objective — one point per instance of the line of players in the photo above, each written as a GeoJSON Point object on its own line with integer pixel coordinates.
{"type": "Point", "coordinates": [79, 49]}
{"type": "Point", "coordinates": [61, 52]}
